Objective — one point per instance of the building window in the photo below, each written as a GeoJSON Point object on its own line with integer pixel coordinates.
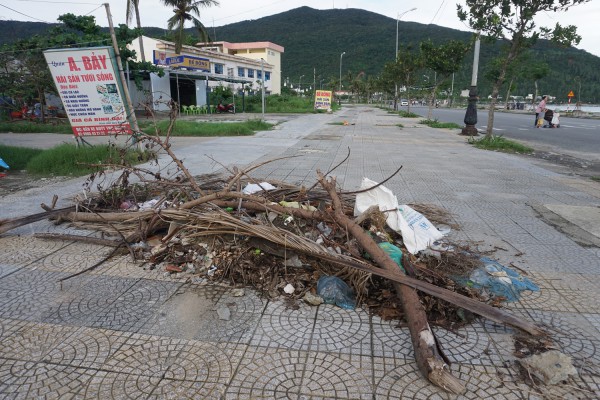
{"type": "Point", "coordinates": [250, 73]}
{"type": "Point", "coordinates": [241, 72]}
{"type": "Point", "coordinates": [258, 74]}
{"type": "Point", "coordinates": [230, 72]}
{"type": "Point", "coordinates": [267, 76]}
{"type": "Point", "coordinates": [219, 69]}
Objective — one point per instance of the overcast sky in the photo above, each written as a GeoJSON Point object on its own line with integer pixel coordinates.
{"type": "Point", "coordinates": [153, 13]}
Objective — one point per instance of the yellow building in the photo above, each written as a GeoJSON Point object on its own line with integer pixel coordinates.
{"type": "Point", "coordinates": [269, 52]}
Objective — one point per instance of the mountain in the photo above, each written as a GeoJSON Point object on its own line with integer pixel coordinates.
{"type": "Point", "coordinates": [314, 39]}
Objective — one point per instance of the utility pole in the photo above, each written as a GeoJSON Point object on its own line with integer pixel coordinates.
{"type": "Point", "coordinates": [262, 67]}
{"type": "Point", "coordinates": [132, 118]}
{"type": "Point", "coordinates": [471, 114]}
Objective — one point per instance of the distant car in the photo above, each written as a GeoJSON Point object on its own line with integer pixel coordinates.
{"type": "Point", "coordinates": [403, 102]}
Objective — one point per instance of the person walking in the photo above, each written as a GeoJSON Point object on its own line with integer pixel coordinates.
{"type": "Point", "coordinates": [539, 111]}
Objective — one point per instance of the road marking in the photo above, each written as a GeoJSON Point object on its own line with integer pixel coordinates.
{"type": "Point", "coordinates": [523, 129]}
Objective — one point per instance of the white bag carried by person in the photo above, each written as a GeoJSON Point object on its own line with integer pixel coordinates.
{"type": "Point", "coordinates": [416, 230]}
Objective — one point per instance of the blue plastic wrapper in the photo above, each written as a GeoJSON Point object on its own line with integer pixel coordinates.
{"type": "Point", "coordinates": [333, 290]}
{"type": "Point", "coordinates": [499, 281]}
{"type": "Point", "coordinates": [394, 252]}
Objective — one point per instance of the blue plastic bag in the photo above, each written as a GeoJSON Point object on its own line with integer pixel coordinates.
{"type": "Point", "coordinates": [333, 290]}
{"type": "Point", "coordinates": [499, 281]}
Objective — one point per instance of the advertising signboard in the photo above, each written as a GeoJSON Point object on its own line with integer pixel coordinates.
{"type": "Point", "coordinates": [90, 90]}
{"type": "Point", "coordinates": [323, 99]}
{"type": "Point", "coordinates": [184, 61]}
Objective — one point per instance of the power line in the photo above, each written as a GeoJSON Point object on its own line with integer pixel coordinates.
{"type": "Point", "coordinates": [28, 16]}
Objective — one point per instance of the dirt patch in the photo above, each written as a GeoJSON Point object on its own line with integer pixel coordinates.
{"type": "Point", "coordinates": [570, 165]}
{"type": "Point", "coordinates": [15, 181]}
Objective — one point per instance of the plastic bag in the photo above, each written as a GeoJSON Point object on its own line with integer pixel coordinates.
{"type": "Point", "coordinates": [252, 188]}
{"type": "Point", "coordinates": [499, 281]}
{"type": "Point", "coordinates": [333, 290]}
{"type": "Point", "coordinates": [394, 252]}
{"type": "Point", "coordinates": [416, 230]}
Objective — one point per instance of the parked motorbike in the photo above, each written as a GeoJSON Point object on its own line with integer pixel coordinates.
{"type": "Point", "coordinates": [224, 108]}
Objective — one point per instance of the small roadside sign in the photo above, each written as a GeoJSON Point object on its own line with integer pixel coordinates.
{"type": "Point", "coordinates": [571, 94]}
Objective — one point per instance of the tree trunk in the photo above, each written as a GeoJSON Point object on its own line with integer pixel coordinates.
{"type": "Point", "coordinates": [429, 360]}
{"type": "Point", "coordinates": [139, 25]}
{"type": "Point", "coordinates": [508, 92]}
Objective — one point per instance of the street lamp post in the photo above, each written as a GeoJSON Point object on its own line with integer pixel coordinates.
{"type": "Point", "coordinates": [262, 76]}
{"type": "Point", "coordinates": [396, 59]}
{"type": "Point", "coordinates": [300, 84]}
{"type": "Point", "coordinates": [340, 92]}
{"type": "Point", "coordinates": [471, 113]}
{"type": "Point", "coordinates": [321, 84]}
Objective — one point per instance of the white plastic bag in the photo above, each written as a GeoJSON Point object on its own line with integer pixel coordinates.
{"type": "Point", "coordinates": [416, 230]}
{"type": "Point", "coordinates": [252, 188]}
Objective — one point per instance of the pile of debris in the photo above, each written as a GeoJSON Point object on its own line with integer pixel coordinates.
{"type": "Point", "coordinates": [319, 243]}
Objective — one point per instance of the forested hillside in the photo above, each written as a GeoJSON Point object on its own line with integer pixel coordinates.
{"type": "Point", "coordinates": [314, 39]}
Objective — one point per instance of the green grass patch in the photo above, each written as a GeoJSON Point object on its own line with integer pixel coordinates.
{"type": "Point", "coordinates": [499, 143]}
{"type": "Point", "coordinates": [434, 123]}
{"type": "Point", "coordinates": [191, 128]}
{"type": "Point", "coordinates": [406, 114]}
{"type": "Point", "coordinates": [335, 123]}
{"type": "Point", "coordinates": [18, 157]}
{"type": "Point", "coordinates": [34, 127]}
{"type": "Point", "coordinates": [400, 126]}
{"type": "Point", "coordinates": [595, 178]}
{"type": "Point", "coordinates": [70, 160]}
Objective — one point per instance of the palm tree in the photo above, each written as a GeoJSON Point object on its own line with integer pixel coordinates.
{"type": "Point", "coordinates": [135, 5]}
{"type": "Point", "coordinates": [187, 10]}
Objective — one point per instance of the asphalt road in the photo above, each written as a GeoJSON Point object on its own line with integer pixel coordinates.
{"type": "Point", "coordinates": [577, 137]}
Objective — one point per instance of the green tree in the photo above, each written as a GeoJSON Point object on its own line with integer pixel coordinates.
{"type": "Point", "coordinates": [133, 7]}
{"type": "Point", "coordinates": [513, 21]}
{"type": "Point", "coordinates": [187, 11]}
{"type": "Point", "coordinates": [535, 72]}
{"type": "Point", "coordinates": [444, 59]}
{"type": "Point", "coordinates": [403, 72]}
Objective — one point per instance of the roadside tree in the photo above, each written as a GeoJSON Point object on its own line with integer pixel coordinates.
{"type": "Point", "coordinates": [444, 59]}
{"type": "Point", "coordinates": [513, 21]}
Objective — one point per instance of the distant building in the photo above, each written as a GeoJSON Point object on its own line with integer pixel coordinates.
{"type": "Point", "coordinates": [191, 75]}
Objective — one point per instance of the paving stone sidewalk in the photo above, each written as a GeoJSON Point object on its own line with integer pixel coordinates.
{"type": "Point", "coordinates": [123, 331]}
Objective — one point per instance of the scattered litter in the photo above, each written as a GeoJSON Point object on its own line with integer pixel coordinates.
{"type": "Point", "coordinates": [3, 164]}
{"type": "Point", "coordinates": [147, 205]}
{"type": "Point", "coordinates": [324, 229]}
{"type": "Point", "coordinates": [394, 252]}
{"type": "Point", "coordinates": [312, 299]}
{"type": "Point", "coordinates": [288, 220]}
{"type": "Point", "coordinates": [289, 288]}
{"type": "Point", "coordinates": [293, 261]}
{"type": "Point", "coordinates": [333, 290]}
{"type": "Point", "coordinates": [499, 281]}
{"type": "Point", "coordinates": [551, 367]}
{"type": "Point", "coordinates": [211, 271]}
{"type": "Point", "coordinates": [173, 268]}
{"type": "Point", "coordinates": [295, 204]}
{"type": "Point", "coordinates": [252, 188]}
{"type": "Point", "coordinates": [416, 230]}
{"type": "Point", "coordinates": [238, 292]}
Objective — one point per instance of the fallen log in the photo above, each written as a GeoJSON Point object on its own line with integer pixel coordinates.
{"type": "Point", "coordinates": [429, 360]}
{"type": "Point", "coordinates": [12, 223]}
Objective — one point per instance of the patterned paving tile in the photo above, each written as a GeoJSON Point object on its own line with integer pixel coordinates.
{"type": "Point", "coordinates": [340, 376]}
{"type": "Point", "coordinates": [391, 339]}
{"type": "Point", "coordinates": [339, 330]}
{"type": "Point", "coordinates": [112, 385]}
{"type": "Point", "coordinates": [285, 328]}
{"type": "Point", "coordinates": [31, 341]}
{"type": "Point", "coordinates": [470, 344]}
{"type": "Point", "coordinates": [195, 313]}
{"type": "Point", "coordinates": [268, 373]}
{"type": "Point", "coordinates": [28, 380]}
{"type": "Point", "coordinates": [400, 379]}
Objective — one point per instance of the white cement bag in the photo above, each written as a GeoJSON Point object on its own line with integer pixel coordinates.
{"type": "Point", "coordinates": [416, 230]}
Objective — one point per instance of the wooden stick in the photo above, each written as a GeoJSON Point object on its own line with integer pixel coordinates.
{"type": "Point", "coordinates": [429, 361]}
{"type": "Point", "coordinates": [12, 223]}
{"type": "Point", "coordinates": [78, 238]}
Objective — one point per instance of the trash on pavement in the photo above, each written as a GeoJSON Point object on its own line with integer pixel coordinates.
{"type": "Point", "coordinates": [333, 290]}
{"type": "Point", "coordinates": [498, 280]}
{"type": "Point", "coordinates": [252, 188]}
{"type": "Point", "coordinates": [551, 367]}
{"type": "Point", "coordinates": [416, 230]}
